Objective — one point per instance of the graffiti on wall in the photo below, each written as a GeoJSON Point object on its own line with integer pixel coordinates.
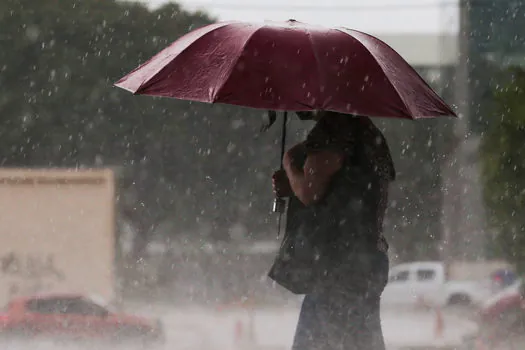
{"type": "Point", "coordinates": [29, 273]}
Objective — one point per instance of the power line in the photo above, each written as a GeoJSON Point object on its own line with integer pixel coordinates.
{"type": "Point", "coordinates": [317, 8]}
{"type": "Point", "coordinates": [353, 8]}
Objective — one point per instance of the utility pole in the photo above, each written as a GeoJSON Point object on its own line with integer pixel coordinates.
{"type": "Point", "coordinates": [453, 180]}
{"type": "Point", "coordinates": [462, 72]}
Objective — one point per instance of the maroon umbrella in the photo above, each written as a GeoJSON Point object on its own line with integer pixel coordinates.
{"type": "Point", "coordinates": [288, 66]}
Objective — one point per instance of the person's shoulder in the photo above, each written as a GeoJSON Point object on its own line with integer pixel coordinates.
{"type": "Point", "coordinates": [318, 138]}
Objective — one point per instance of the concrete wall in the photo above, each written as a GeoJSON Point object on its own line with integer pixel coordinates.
{"type": "Point", "coordinates": [56, 232]}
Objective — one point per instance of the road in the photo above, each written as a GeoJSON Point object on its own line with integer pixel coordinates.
{"type": "Point", "coordinates": [272, 328]}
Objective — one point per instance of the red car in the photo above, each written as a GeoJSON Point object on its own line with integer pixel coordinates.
{"type": "Point", "coordinates": [501, 321]}
{"type": "Point", "coordinates": [508, 300]}
{"type": "Point", "coordinates": [73, 317]}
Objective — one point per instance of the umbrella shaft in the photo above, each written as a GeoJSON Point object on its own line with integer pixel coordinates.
{"type": "Point", "coordinates": [279, 204]}
{"type": "Point", "coordinates": [283, 138]}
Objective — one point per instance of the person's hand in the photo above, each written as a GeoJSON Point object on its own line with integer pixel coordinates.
{"type": "Point", "coordinates": [281, 184]}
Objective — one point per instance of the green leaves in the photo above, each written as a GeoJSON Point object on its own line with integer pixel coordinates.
{"type": "Point", "coordinates": [190, 163]}
{"type": "Point", "coordinates": [503, 156]}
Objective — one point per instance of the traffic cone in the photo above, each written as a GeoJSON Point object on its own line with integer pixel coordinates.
{"type": "Point", "coordinates": [480, 345]}
{"type": "Point", "coordinates": [238, 332]}
{"type": "Point", "coordinates": [422, 304]}
{"type": "Point", "coordinates": [439, 324]}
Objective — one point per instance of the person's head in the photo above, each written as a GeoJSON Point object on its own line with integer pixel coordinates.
{"type": "Point", "coordinates": [310, 115]}
{"type": "Point", "coordinates": [318, 115]}
{"type": "Point", "coordinates": [333, 118]}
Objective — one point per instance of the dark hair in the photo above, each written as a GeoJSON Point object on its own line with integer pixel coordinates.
{"type": "Point", "coordinates": [344, 131]}
{"type": "Point", "coordinates": [305, 115]}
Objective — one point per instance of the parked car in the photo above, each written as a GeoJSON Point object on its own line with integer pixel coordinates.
{"type": "Point", "coordinates": [501, 322]}
{"type": "Point", "coordinates": [510, 297]}
{"type": "Point", "coordinates": [414, 282]}
{"type": "Point", "coordinates": [503, 278]}
{"type": "Point", "coordinates": [74, 317]}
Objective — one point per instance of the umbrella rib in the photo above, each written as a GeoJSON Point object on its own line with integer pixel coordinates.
{"type": "Point", "coordinates": [151, 80]}
{"type": "Point", "coordinates": [316, 56]}
{"type": "Point", "coordinates": [401, 97]}
{"type": "Point", "coordinates": [232, 67]}
{"type": "Point", "coordinates": [430, 89]}
{"type": "Point", "coordinates": [380, 66]}
{"type": "Point", "coordinates": [391, 83]}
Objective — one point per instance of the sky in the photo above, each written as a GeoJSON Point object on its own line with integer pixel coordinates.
{"type": "Point", "coordinates": [373, 16]}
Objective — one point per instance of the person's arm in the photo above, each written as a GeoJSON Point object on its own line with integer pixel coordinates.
{"type": "Point", "coordinates": [310, 184]}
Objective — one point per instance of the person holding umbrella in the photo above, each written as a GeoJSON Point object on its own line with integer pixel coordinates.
{"type": "Point", "coordinates": [337, 181]}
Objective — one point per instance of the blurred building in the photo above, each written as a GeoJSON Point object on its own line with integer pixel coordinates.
{"type": "Point", "coordinates": [490, 39]}
{"type": "Point", "coordinates": [463, 228]}
{"type": "Point", "coordinates": [495, 40]}
{"type": "Point", "coordinates": [422, 49]}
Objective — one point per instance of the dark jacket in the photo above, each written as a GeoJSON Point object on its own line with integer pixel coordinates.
{"type": "Point", "coordinates": [338, 240]}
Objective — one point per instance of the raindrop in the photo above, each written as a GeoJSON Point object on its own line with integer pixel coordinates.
{"type": "Point", "coordinates": [32, 32]}
{"type": "Point", "coordinates": [231, 147]}
{"type": "Point", "coordinates": [236, 124]}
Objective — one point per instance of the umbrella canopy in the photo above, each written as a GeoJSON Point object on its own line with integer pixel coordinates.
{"type": "Point", "coordinates": [288, 66]}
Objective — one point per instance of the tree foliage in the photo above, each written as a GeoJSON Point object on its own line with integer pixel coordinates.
{"type": "Point", "coordinates": [202, 168]}
{"type": "Point", "coordinates": [58, 108]}
{"type": "Point", "coordinates": [494, 41]}
{"type": "Point", "coordinates": [503, 153]}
